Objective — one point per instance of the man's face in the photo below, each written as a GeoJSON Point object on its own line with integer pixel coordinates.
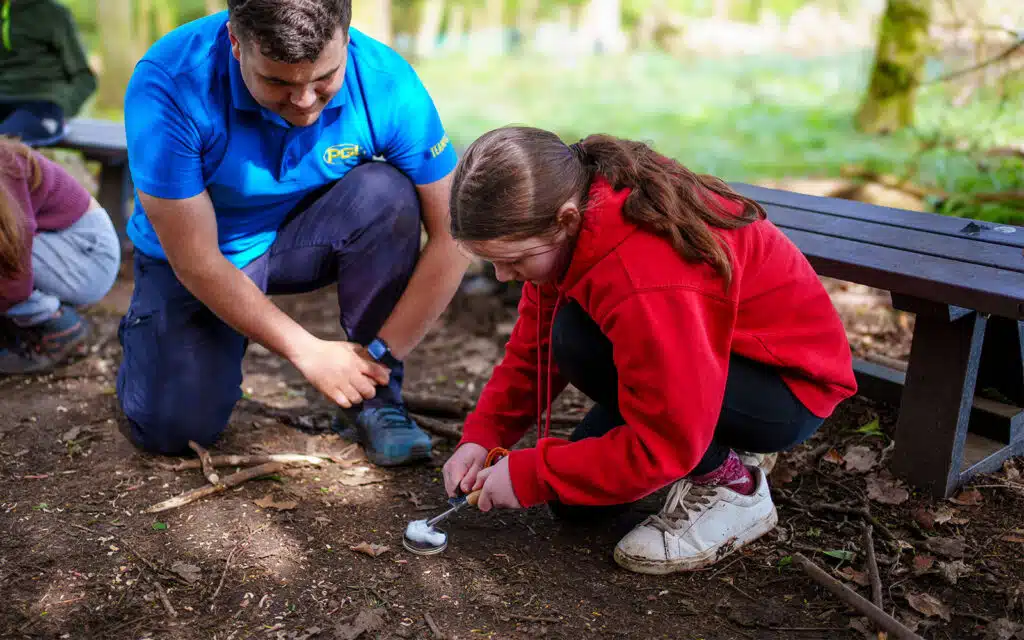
{"type": "Point", "coordinates": [297, 92]}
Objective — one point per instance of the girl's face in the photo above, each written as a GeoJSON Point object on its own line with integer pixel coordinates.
{"type": "Point", "coordinates": [538, 260]}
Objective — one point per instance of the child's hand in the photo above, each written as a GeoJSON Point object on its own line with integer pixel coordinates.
{"type": "Point", "coordinates": [497, 487]}
{"type": "Point", "coordinates": [461, 469]}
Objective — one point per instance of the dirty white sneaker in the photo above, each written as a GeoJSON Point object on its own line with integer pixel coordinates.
{"type": "Point", "coordinates": [765, 461]}
{"type": "Point", "coordinates": [698, 526]}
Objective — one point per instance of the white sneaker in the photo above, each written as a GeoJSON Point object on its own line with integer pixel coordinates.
{"type": "Point", "coordinates": [698, 526]}
{"type": "Point", "coordinates": [765, 461]}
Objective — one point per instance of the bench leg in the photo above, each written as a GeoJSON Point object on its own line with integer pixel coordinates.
{"type": "Point", "coordinates": [116, 196]}
{"type": "Point", "coordinates": [936, 405]}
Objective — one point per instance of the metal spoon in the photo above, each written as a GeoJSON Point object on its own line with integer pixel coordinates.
{"type": "Point", "coordinates": [422, 538]}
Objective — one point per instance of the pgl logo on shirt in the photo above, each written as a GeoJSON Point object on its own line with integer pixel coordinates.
{"type": "Point", "coordinates": [340, 152]}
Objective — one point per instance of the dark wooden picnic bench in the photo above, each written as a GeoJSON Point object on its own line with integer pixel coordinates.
{"type": "Point", "coordinates": [105, 142]}
{"type": "Point", "coordinates": [961, 397]}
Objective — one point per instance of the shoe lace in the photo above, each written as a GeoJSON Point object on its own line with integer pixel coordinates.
{"type": "Point", "coordinates": [684, 499]}
{"type": "Point", "coordinates": [393, 418]}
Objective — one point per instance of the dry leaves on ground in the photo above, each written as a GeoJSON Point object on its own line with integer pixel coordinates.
{"type": "Point", "coordinates": [923, 563]}
{"type": "Point", "coordinates": [969, 498]}
{"type": "Point", "coordinates": [886, 489]}
{"type": "Point", "coordinates": [857, 577]}
{"type": "Point", "coordinates": [366, 620]}
{"type": "Point", "coordinates": [929, 605]}
{"type": "Point", "coordinates": [948, 547]}
{"type": "Point", "coordinates": [1003, 629]}
{"type": "Point", "coordinates": [860, 459]}
{"type": "Point", "coordinates": [189, 572]}
{"type": "Point", "coordinates": [267, 502]}
{"type": "Point", "coordinates": [832, 456]}
{"type": "Point", "coordinates": [951, 572]}
{"type": "Point", "coordinates": [372, 550]}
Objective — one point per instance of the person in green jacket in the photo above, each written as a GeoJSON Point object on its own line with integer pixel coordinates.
{"type": "Point", "coordinates": [44, 74]}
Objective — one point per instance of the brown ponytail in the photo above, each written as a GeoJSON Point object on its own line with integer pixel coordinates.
{"type": "Point", "coordinates": [12, 225]}
{"type": "Point", "coordinates": [511, 182]}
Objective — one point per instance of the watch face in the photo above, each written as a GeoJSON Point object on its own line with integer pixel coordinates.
{"type": "Point", "coordinates": [376, 349]}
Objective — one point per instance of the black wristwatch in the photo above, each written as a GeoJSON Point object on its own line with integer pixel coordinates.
{"type": "Point", "coordinates": [381, 352]}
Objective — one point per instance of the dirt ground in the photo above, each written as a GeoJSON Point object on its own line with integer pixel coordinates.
{"type": "Point", "coordinates": [80, 557]}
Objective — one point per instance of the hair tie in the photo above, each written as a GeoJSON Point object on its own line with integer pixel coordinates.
{"type": "Point", "coordinates": [577, 150]}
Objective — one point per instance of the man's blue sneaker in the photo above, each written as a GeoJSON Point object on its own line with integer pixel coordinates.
{"type": "Point", "coordinates": [389, 435]}
{"type": "Point", "coordinates": [42, 347]}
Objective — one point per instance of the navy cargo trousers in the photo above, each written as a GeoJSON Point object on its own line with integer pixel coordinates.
{"type": "Point", "coordinates": [181, 370]}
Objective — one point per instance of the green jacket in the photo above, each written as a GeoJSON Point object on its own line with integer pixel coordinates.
{"type": "Point", "coordinates": [41, 55]}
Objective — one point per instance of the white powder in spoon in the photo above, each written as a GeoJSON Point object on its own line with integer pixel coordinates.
{"type": "Point", "coordinates": [419, 532]}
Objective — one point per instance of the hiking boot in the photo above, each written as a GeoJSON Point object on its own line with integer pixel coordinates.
{"type": "Point", "coordinates": [42, 347]}
{"type": "Point", "coordinates": [765, 461]}
{"type": "Point", "coordinates": [697, 526]}
{"type": "Point", "coordinates": [388, 434]}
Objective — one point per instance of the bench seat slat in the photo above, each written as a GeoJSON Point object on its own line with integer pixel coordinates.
{"type": "Point", "coordinates": [923, 243]}
{"type": "Point", "coordinates": [985, 289]}
{"type": "Point", "coordinates": [895, 218]}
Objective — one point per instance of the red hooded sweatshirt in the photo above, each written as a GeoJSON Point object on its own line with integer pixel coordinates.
{"type": "Point", "coordinates": [673, 325]}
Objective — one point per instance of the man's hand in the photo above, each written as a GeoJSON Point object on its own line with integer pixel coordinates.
{"type": "Point", "coordinates": [496, 483]}
{"type": "Point", "coordinates": [342, 371]}
{"type": "Point", "coordinates": [461, 469]}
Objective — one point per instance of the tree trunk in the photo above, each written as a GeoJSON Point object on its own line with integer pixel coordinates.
{"type": "Point", "coordinates": [117, 51]}
{"type": "Point", "coordinates": [374, 19]}
{"type": "Point", "coordinates": [430, 27]}
{"type": "Point", "coordinates": [899, 61]}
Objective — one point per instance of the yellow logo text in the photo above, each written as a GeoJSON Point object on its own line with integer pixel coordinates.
{"type": "Point", "coordinates": [439, 147]}
{"type": "Point", "coordinates": [340, 152]}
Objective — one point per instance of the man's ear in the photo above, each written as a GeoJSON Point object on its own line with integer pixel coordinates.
{"type": "Point", "coordinates": [236, 44]}
{"type": "Point", "coordinates": [569, 218]}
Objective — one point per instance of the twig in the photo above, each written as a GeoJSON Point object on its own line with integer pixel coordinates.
{"type": "Point", "coordinates": [876, 579]}
{"type": "Point", "coordinates": [138, 555]}
{"type": "Point", "coordinates": [205, 462]}
{"type": "Point", "coordinates": [516, 616]}
{"type": "Point", "coordinates": [227, 564]}
{"type": "Point", "coordinates": [244, 461]}
{"type": "Point", "coordinates": [437, 405]}
{"type": "Point", "coordinates": [850, 597]}
{"type": "Point", "coordinates": [828, 507]}
{"type": "Point", "coordinates": [228, 482]}
{"type": "Point", "coordinates": [438, 634]}
{"type": "Point", "coordinates": [163, 598]}
{"type": "Point", "coordinates": [438, 427]}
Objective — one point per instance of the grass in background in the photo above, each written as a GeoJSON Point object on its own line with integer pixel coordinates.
{"type": "Point", "coordinates": [740, 119]}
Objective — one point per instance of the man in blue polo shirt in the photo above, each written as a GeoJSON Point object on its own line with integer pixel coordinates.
{"type": "Point", "coordinates": [276, 150]}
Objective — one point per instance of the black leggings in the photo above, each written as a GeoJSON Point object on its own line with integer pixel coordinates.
{"type": "Point", "coordinates": [759, 412]}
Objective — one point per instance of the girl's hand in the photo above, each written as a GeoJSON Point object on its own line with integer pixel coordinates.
{"type": "Point", "coordinates": [496, 483]}
{"type": "Point", "coordinates": [461, 469]}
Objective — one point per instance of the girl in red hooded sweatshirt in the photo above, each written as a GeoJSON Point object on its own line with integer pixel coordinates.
{"type": "Point", "coordinates": [701, 333]}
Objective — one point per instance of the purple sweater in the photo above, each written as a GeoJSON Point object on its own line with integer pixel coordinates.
{"type": "Point", "coordinates": [55, 204]}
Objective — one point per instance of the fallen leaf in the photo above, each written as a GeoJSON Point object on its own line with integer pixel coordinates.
{"type": "Point", "coordinates": [922, 563]}
{"type": "Point", "coordinates": [871, 429]}
{"type": "Point", "coordinates": [832, 457]}
{"type": "Point", "coordinates": [366, 620]}
{"type": "Point", "coordinates": [71, 434]}
{"type": "Point", "coordinates": [267, 502]}
{"type": "Point", "coordinates": [1017, 539]}
{"type": "Point", "coordinates": [840, 554]}
{"type": "Point", "coordinates": [924, 518]}
{"type": "Point", "coordinates": [857, 577]}
{"type": "Point", "coordinates": [949, 547]}
{"type": "Point", "coordinates": [372, 550]}
{"type": "Point", "coordinates": [885, 489]}
{"type": "Point", "coordinates": [1002, 629]}
{"type": "Point", "coordinates": [783, 473]}
{"type": "Point", "coordinates": [953, 571]}
{"type": "Point", "coordinates": [349, 481]}
{"type": "Point", "coordinates": [189, 572]}
{"type": "Point", "coordinates": [944, 516]}
{"type": "Point", "coordinates": [929, 606]}
{"type": "Point", "coordinates": [969, 498]}
{"type": "Point", "coordinates": [860, 459]}
{"type": "Point", "coordinates": [1012, 473]}
{"type": "Point", "coordinates": [306, 634]}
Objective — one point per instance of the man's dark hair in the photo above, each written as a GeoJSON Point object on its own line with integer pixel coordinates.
{"type": "Point", "coordinates": [289, 31]}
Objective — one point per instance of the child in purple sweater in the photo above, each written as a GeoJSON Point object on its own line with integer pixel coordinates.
{"type": "Point", "coordinates": [58, 248]}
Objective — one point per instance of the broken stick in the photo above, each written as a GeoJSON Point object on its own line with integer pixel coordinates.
{"type": "Point", "coordinates": [438, 427]}
{"type": "Point", "coordinates": [872, 562]}
{"type": "Point", "coordinates": [228, 482]}
{"type": "Point", "coordinates": [850, 597]}
{"type": "Point", "coordinates": [205, 462]}
{"type": "Point", "coordinates": [245, 461]}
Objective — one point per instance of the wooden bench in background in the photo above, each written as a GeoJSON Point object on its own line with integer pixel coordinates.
{"type": "Point", "coordinates": [105, 142]}
{"type": "Point", "coordinates": [961, 397]}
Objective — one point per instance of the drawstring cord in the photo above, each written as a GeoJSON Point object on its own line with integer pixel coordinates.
{"type": "Point", "coordinates": [5, 18]}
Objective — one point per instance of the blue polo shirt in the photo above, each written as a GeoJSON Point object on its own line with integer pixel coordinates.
{"type": "Point", "coordinates": [192, 125]}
